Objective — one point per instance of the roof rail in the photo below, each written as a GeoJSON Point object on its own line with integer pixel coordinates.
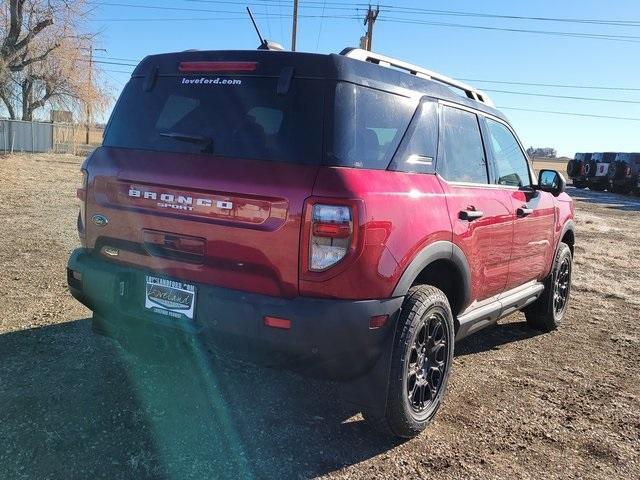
{"type": "Point", "coordinates": [371, 57]}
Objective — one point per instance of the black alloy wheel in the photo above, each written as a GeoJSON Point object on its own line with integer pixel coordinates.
{"type": "Point", "coordinates": [561, 287]}
{"type": "Point", "coordinates": [427, 362]}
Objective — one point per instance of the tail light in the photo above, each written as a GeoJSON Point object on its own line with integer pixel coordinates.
{"type": "Point", "coordinates": [331, 235]}
{"type": "Point", "coordinates": [206, 67]}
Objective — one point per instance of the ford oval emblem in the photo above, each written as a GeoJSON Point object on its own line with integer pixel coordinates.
{"type": "Point", "coordinates": [100, 220]}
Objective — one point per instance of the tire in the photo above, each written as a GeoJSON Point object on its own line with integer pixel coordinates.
{"type": "Point", "coordinates": [597, 187]}
{"type": "Point", "coordinates": [547, 312]}
{"type": "Point", "coordinates": [623, 188]}
{"type": "Point", "coordinates": [579, 184]}
{"type": "Point", "coordinates": [425, 320]}
{"type": "Point", "coordinates": [573, 168]}
{"type": "Point", "coordinates": [590, 168]}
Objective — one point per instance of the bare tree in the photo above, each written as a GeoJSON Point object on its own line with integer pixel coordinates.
{"type": "Point", "coordinates": [542, 152]}
{"type": "Point", "coordinates": [43, 59]}
{"type": "Point", "coordinates": [63, 79]}
{"type": "Point", "coordinates": [23, 23]}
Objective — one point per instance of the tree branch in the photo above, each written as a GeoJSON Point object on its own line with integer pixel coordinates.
{"type": "Point", "coordinates": [24, 63]}
{"type": "Point", "coordinates": [7, 102]}
{"type": "Point", "coordinates": [35, 31]}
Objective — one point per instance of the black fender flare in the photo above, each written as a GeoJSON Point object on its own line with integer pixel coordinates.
{"type": "Point", "coordinates": [569, 225]}
{"type": "Point", "coordinates": [440, 250]}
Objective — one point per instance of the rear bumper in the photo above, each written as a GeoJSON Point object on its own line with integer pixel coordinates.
{"type": "Point", "coordinates": [327, 338]}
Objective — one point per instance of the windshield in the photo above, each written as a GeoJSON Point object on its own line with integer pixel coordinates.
{"type": "Point", "coordinates": [243, 117]}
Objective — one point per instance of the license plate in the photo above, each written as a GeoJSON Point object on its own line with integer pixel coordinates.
{"type": "Point", "coordinates": [170, 297]}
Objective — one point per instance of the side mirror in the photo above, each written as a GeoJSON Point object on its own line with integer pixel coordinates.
{"type": "Point", "coordinates": [551, 181]}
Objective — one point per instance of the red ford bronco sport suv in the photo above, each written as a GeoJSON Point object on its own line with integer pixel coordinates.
{"type": "Point", "coordinates": [349, 216]}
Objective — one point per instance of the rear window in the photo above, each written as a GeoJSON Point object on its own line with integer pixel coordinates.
{"type": "Point", "coordinates": [244, 118]}
{"type": "Point", "coordinates": [368, 126]}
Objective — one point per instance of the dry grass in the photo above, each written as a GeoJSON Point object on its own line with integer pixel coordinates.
{"type": "Point", "coordinates": [555, 164]}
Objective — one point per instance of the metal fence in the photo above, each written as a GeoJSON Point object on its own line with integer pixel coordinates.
{"type": "Point", "coordinates": [20, 136]}
{"type": "Point", "coordinates": [24, 136]}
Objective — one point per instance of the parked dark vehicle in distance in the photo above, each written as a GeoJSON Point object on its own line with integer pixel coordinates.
{"type": "Point", "coordinates": [321, 213]}
{"type": "Point", "coordinates": [596, 170]}
{"type": "Point", "coordinates": [623, 173]}
{"type": "Point", "coordinates": [575, 169]}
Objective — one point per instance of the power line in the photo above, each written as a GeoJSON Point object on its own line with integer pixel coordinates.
{"type": "Point", "coordinates": [208, 10]}
{"type": "Point", "coordinates": [109, 63]}
{"type": "Point", "coordinates": [590, 99]}
{"type": "Point", "coordinates": [116, 71]}
{"type": "Point", "coordinates": [593, 36]}
{"type": "Point", "coordinates": [437, 12]}
{"type": "Point", "coordinates": [307, 4]}
{"type": "Point", "coordinates": [408, 11]}
{"type": "Point", "coordinates": [427, 11]}
{"type": "Point", "coordinates": [610, 117]}
{"type": "Point", "coordinates": [116, 58]}
{"type": "Point", "coordinates": [558, 85]}
{"type": "Point", "coordinates": [208, 19]}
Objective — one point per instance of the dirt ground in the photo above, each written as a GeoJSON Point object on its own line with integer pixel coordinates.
{"type": "Point", "coordinates": [519, 404]}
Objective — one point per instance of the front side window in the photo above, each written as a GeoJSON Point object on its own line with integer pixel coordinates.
{"type": "Point", "coordinates": [512, 168]}
{"type": "Point", "coordinates": [462, 158]}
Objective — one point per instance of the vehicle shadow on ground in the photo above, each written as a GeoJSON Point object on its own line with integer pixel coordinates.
{"type": "Point", "coordinates": [75, 405]}
{"type": "Point", "coordinates": [606, 199]}
{"type": "Point", "coordinates": [495, 336]}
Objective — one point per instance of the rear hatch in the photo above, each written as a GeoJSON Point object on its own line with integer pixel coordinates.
{"type": "Point", "coordinates": [206, 163]}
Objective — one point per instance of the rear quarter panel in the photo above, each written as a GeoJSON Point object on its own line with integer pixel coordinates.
{"type": "Point", "coordinates": [403, 213]}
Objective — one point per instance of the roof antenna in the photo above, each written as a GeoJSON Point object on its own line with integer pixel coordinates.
{"type": "Point", "coordinates": [264, 43]}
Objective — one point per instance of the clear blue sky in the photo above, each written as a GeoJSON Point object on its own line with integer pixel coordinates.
{"type": "Point", "coordinates": [459, 52]}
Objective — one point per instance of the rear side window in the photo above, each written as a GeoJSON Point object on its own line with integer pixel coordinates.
{"type": "Point", "coordinates": [463, 157]}
{"type": "Point", "coordinates": [418, 149]}
{"type": "Point", "coordinates": [244, 119]}
{"type": "Point", "coordinates": [368, 126]}
{"type": "Point", "coordinates": [511, 165]}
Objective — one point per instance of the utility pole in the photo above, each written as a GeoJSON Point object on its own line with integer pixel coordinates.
{"type": "Point", "coordinates": [369, 20]}
{"type": "Point", "coordinates": [294, 27]}
{"type": "Point", "coordinates": [90, 80]}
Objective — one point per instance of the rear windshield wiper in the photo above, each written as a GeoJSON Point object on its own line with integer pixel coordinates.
{"type": "Point", "coordinates": [189, 138]}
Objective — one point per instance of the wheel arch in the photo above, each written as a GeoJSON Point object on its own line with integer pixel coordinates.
{"type": "Point", "coordinates": [443, 265]}
{"type": "Point", "coordinates": [568, 235]}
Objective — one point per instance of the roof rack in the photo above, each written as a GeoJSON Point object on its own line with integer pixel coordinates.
{"type": "Point", "coordinates": [371, 57]}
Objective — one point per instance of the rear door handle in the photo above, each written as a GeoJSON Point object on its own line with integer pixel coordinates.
{"type": "Point", "coordinates": [470, 215]}
{"type": "Point", "coordinates": [524, 211]}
